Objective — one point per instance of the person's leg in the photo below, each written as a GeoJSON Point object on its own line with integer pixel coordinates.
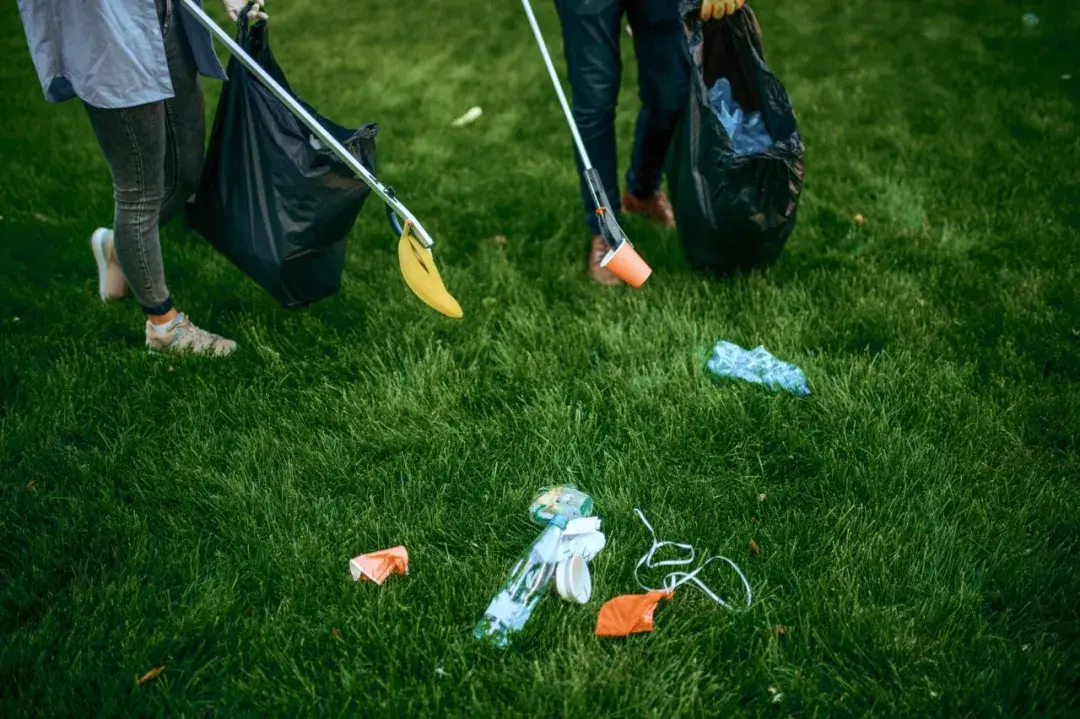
{"type": "Point", "coordinates": [663, 82]}
{"type": "Point", "coordinates": [590, 31]}
{"type": "Point", "coordinates": [155, 153]}
{"type": "Point", "coordinates": [133, 142]}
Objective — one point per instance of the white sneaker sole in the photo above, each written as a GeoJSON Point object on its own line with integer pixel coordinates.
{"type": "Point", "coordinates": [97, 241]}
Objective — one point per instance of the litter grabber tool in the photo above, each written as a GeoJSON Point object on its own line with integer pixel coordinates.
{"type": "Point", "coordinates": [571, 537]}
{"type": "Point", "coordinates": [621, 259]}
{"type": "Point", "coordinates": [414, 243]}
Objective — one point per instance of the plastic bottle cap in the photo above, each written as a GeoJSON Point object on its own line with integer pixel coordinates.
{"type": "Point", "coordinates": [572, 580]}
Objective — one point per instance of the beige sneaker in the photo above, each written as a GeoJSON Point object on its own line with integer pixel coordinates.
{"type": "Point", "coordinates": [182, 337]}
{"type": "Point", "coordinates": [111, 282]}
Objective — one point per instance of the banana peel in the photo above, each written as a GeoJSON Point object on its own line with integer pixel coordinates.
{"type": "Point", "coordinates": [422, 276]}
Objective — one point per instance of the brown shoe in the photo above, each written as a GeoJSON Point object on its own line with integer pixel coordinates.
{"type": "Point", "coordinates": [596, 255]}
{"type": "Point", "coordinates": [657, 210]}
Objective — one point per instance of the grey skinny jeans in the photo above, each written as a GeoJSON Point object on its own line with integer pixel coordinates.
{"type": "Point", "coordinates": [155, 153]}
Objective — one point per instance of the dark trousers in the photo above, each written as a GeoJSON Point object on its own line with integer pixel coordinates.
{"type": "Point", "coordinates": [155, 153]}
{"type": "Point", "coordinates": [592, 30]}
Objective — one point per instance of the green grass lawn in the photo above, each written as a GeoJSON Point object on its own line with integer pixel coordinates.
{"type": "Point", "coordinates": [917, 517]}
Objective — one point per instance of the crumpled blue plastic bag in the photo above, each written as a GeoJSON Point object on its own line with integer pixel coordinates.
{"type": "Point", "coordinates": [746, 129]}
{"type": "Point", "coordinates": [758, 366]}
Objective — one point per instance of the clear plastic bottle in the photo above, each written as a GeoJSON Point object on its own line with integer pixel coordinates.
{"type": "Point", "coordinates": [530, 579]}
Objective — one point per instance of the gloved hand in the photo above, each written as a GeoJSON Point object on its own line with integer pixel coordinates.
{"type": "Point", "coordinates": [235, 7]}
{"type": "Point", "coordinates": [716, 9]}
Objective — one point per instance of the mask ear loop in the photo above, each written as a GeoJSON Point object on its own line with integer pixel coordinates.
{"type": "Point", "coordinates": [676, 579]}
{"type": "Point", "coordinates": [647, 560]}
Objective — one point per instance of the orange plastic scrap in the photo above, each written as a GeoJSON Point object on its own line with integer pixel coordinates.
{"type": "Point", "coordinates": [629, 614]}
{"type": "Point", "coordinates": [377, 566]}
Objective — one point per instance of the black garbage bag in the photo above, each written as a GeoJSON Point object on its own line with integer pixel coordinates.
{"type": "Point", "coordinates": [735, 177]}
{"type": "Point", "coordinates": [272, 199]}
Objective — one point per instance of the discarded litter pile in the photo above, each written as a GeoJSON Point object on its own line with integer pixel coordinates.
{"type": "Point", "coordinates": [559, 556]}
{"type": "Point", "coordinates": [571, 538]}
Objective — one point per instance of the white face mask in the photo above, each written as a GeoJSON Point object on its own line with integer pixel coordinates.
{"type": "Point", "coordinates": [582, 537]}
{"type": "Point", "coordinates": [676, 579]}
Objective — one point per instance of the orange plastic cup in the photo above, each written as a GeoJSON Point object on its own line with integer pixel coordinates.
{"type": "Point", "coordinates": [625, 263]}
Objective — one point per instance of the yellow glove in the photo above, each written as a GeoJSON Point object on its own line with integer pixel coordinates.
{"type": "Point", "coordinates": [716, 9]}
